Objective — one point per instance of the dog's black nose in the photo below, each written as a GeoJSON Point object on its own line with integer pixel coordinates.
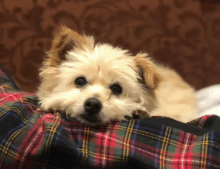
{"type": "Point", "coordinates": [92, 106]}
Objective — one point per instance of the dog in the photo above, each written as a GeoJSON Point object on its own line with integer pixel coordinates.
{"type": "Point", "coordinates": [96, 83]}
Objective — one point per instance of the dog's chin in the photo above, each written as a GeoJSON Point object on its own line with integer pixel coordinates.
{"type": "Point", "coordinates": [95, 121]}
{"type": "Point", "coordinates": [91, 121]}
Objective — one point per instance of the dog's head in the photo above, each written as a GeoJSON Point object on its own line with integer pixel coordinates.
{"type": "Point", "coordinates": [95, 83]}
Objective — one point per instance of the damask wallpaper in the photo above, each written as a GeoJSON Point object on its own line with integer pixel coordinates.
{"type": "Point", "coordinates": [183, 34]}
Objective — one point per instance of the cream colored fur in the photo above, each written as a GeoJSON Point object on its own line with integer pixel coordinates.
{"type": "Point", "coordinates": [146, 86]}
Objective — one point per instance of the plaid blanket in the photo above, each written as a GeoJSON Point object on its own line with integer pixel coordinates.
{"type": "Point", "coordinates": [32, 138]}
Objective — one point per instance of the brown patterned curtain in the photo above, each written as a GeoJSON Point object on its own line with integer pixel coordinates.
{"type": "Point", "coordinates": [184, 34]}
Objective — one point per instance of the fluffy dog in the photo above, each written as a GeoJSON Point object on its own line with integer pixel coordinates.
{"type": "Point", "coordinates": [96, 83]}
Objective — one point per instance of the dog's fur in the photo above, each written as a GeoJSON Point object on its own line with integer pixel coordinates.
{"type": "Point", "coordinates": [147, 87]}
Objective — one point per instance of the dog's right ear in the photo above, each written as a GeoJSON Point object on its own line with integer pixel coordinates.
{"type": "Point", "coordinates": [65, 41]}
{"type": "Point", "coordinates": [148, 76]}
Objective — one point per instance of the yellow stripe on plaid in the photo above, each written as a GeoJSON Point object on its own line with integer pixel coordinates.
{"type": "Point", "coordinates": [24, 120]}
{"type": "Point", "coordinates": [8, 143]}
{"type": "Point", "coordinates": [107, 157]}
{"type": "Point", "coordinates": [85, 145]}
{"type": "Point", "coordinates": [12, 154]}
{"type": "Point", "coordinates": [28, 101]}
{"type": "Point", "coordinates": [2, 113]}
{"type": "Point", "coordinates": [52, 131]}
{"type": "Point", "coordinates": [161, 138]}
{"type": "Point", "coordinates": [6, 86]}
{"type": "Point", "coordinates": [22, 159]}
{"type": "Point", "coordinates": [127, 140]}
{"type": "Point", "coordinates": [205, 144]}
{"type": "Point", "coordinates": [164, 147]}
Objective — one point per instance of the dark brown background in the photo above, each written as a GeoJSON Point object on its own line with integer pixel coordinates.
{"type": "Point", "coordinates": [184, 34]}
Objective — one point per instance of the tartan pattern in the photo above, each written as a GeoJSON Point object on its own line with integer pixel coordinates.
{"type": "Point", "coordinates": [31, 138]}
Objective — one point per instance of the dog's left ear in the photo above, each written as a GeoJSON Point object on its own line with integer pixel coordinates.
{"type": "Point", "coordinates": [148, 76]}
{"type": "Point", "coordinates": [65, 41]}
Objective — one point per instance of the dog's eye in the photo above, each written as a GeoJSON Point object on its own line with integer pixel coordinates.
{"type": "Point", "coordinates": [81, 81]}
{"type": "Point", "coordinates": [116, 89]}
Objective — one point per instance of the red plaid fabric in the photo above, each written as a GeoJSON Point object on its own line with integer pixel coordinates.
{"type": "Point", "coordinates": [32, 138]}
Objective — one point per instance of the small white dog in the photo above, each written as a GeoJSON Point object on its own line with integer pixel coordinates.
{"type": "Point", "coordinates": [96, 83]}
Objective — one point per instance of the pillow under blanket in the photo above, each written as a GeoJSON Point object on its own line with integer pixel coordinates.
{"type": "Point", "coordinates": [32, 138]}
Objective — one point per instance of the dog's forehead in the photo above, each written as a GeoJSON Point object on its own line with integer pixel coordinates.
{"type": "Point", "coordinates": [103, 62]}
{"type": "Point", "coordinates": [104, 57]}
{"type": "Point", "coordinates": [112, 61]}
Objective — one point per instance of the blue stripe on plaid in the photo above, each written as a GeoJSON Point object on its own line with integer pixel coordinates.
{"type": "Point", "coordinates": [134, 137]}
{"type": "Point", "coordinates": [210, 148]}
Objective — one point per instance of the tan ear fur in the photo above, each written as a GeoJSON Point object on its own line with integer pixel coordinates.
{"type": "Point", "coordinates": [64, 41]}
{"type": "Point", "coordinates": [149, 78]}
